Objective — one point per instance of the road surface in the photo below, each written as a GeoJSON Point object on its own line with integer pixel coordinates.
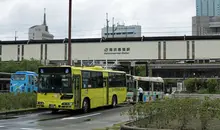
{"type": "Point", "coordinates": [65, 121]}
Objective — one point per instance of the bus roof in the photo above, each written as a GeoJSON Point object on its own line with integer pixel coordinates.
{"type": "Point", "coordinates": [91, 68]}
{"type": "Point", "coordinates": [152, 79]}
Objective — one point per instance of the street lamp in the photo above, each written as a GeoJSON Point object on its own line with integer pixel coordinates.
{"type": "Point", "coordinates": [69, 34]}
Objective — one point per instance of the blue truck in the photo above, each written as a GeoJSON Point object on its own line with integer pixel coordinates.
{"type": "Point", "coordinates": [24, 82]}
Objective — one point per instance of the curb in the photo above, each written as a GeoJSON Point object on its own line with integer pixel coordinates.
{"type": "Point", "coordinates": [19, 112]}
{"type": "Point", "coordinates": [125, 126]}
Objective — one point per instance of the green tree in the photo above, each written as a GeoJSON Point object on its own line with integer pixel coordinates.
{"type": "Point", "coordinates": [13, 66]}
{"type": "Point", "coordinates": [140, 70]}
{"type": "Point", "coordinates": [190, 85]}
{"type": "Point", "coordinates": [212, 85]}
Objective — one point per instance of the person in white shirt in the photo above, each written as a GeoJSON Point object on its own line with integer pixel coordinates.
{"type": "Point", "coordinates": [140, 91]}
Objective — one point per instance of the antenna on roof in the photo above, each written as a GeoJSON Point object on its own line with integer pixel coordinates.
{"type": "Point", "coordinates": [44, 23]}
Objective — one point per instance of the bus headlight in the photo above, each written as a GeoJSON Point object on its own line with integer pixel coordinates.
{"type": "Point", "coordinates": [40, 103]}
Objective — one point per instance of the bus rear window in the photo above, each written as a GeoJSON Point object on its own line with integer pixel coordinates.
{"type": "Point", "coordinates": [18, 76]}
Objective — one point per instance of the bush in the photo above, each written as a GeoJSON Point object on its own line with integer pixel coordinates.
{"type": "Point", "coordinates": [212, 85]}
{"type": "Point", "coordinates": [13, 66]}
{"type": "Point", "coordinates": [11, 101]}
{"type": "Point", "coordinates": [190, 85]}
{"type": "Point", "coordinates": [180, 114]}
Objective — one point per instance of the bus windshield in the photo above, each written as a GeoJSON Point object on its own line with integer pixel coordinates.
{"type": "Point", "coordinates": [55, 83]}
{"type": "Point", "coordinates": [18, 76]}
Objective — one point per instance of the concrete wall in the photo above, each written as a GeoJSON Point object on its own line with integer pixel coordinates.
{"type": "Point", "coordinates": [115, 50]}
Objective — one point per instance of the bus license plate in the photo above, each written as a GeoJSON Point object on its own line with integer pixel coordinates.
{"type": "Point", "coordinates": [52, 106]}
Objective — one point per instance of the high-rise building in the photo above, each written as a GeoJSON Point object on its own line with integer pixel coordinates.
{"type": "Point", "coordinates": [207, 7]}
{"type": "Point", "coordinates": [40, 32]}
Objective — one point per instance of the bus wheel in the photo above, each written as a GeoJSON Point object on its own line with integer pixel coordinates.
{"type": "Point", "coordinates": [85, 106]}
{"type": "Point", "coordinates": [114, 101]}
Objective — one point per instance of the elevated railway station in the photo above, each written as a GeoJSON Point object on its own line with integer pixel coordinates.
{"type": "Point", "coordinates": [155, 53]}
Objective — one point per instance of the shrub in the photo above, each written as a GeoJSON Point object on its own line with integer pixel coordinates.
{"type": "Point", "coordinates": [190, 85]}
{"type": "Point", "coordinates": [184, 112]}
{"type": "Point", "coordinates": [11, 101]}
{"type": "Point", "coordinates": [208, 110]}
{"type": "Point", "coordinates": [212, 85]}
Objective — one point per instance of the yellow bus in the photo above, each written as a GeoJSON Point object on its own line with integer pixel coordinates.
{"type": "Point", "coordinates": [71, 88]}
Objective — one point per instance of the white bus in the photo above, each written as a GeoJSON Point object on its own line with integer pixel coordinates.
{"type": "Point", "coordinates": [153, 88]}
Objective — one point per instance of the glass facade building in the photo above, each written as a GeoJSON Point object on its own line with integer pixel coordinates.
{"type": "Point", "coordinates": [207, 7]}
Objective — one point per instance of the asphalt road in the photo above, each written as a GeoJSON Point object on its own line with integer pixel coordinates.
{"type": "Point", "coordinates": [99, 118]}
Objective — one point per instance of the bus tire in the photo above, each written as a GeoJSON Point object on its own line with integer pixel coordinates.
{"type": "Point", "coordinates": [114, 101]}
{"type": "Point", "coordinates": [86, 105]}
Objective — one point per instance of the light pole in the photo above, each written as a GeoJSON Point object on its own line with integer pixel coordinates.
{"type": "Point", "coordinates": [69, 40]}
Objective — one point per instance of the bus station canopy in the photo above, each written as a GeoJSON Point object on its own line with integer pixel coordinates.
{"type": "Point", "coordinates": [150, 79]}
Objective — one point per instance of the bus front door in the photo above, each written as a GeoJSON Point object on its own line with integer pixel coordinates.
{"type": "Point", "coordinates": [106, 91]}
{"type": "Point", "coordinates": [77, 91]}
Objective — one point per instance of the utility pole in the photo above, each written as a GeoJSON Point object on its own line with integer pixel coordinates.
{"type": "Point", "coordinates": [107, 22]}
{"type": "Point", "coordinates": [16, 36]}
{"type": "Point", "coordinates": [69, 40]}
{"type": "Point", "coordinates": [113, 27]}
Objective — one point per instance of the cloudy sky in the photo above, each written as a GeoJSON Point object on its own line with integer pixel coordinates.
{"type": "Point", "coordinates": [157, 17]}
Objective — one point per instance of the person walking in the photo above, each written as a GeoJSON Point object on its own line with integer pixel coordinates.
{"type": "Point", "coordinates": [140, 90]}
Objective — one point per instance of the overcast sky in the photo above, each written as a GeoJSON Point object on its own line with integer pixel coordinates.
{"type": "Point", "coordinates": [157, 17]}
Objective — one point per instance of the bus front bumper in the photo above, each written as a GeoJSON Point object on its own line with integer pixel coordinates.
{"type": "Point", "coordinates": [53, 105]}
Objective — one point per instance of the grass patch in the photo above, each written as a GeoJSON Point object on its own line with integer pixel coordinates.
{"type": "Point", "coordinates": [14, 102]}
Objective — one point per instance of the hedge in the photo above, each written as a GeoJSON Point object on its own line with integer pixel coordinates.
{"type": "Point", "coordinates": [12, 101]}
{"type": "Point", "coordinates": [210, 86]}
{"type": "Point", "coordinates": [178, 114]}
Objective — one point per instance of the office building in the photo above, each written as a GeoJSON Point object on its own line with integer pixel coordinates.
{"type": "Point", "coordinates": [207, 19]}
{"type": "Point", "coordinates": [207, 7]}
{"type": "Point", "coordinates": [40, 32]}
{"type": "Point", "coordinates": [205, 25]}
{"type": "Point", "coordinates": [121, 31]}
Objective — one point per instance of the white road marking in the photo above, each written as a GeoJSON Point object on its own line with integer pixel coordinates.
{"type": "Point", "coordinates": [72, 118]}
{"type": "Point", "coordinates": [2, 126]}
{"type": "Point", "coordinates": [30, 129]}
